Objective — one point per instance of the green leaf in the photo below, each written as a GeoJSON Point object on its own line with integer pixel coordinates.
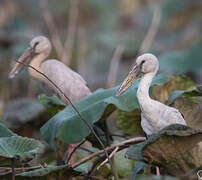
{"type": "Point", "coordinates": [130, 122]}
{"type": "Point", "coordinates": [182, 62]}
{"type": "Point", "coordinates": [84, 167]}
{"type": "Point", "coordinates": [67, 125]}
{"type": "Point", "coordinates": [42, 171]}
{"type": "Point", "coordinates": [175, 148]}
{"type": "Point", "coordinates": [174, 95]}
{"type": "Point", "coordinates": [140, 165]}
{"type": "Point", "coordinates": [52, 103]}
{"type": "Point", "coordinates": [21, 111]}
{"type": "Point", "coordinates": [50, 172]}
{"type": "Point", "coordinates": [123, 166]}
{"type": "Point", "coordinates": [20, 149]}
{"type": "Point", "coordinates": [5, 132]}
{"type": "Point", "coordinates": [196, 92]}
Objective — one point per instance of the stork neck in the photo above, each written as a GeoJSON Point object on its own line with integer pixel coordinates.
{"type": "Point", "coordinates": [143, 89]}
{"type": "Point", "coordinates": [36, 63]}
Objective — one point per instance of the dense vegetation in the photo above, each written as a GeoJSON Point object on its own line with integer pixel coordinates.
{"type": "Point", "coordinates": [100, 40]}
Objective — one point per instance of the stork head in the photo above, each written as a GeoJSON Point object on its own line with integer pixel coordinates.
{"type": "Point", "coordinates": [146, 63]}
{"type": "Point", "coordinates": [38, 45]}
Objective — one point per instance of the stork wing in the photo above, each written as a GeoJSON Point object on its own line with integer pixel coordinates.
{"type": "Point", "coordinates": [70, 82]}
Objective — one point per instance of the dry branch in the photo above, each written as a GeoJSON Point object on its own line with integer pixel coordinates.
{"type": "Point", "coordinates": [121, 146]}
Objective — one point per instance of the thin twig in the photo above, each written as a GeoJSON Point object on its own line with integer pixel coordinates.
{"type": "Point", "coordinates": [153, 29]}
{"type": "Point", "coordinates": [120, 145]}
{"type": "Point", "coordinates": [75, 148]}
{"type": "Point", "coordinates": [114, 65]}
{"type": "Point", "coordinates": [95, 163]}
{"type": "Point", "coordinates": [110, 156]}
{"type": "Point", "coordinates": [79, 114]}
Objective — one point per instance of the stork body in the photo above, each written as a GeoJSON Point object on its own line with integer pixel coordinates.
{"type": "Point", "coordinates": [154, 115]}
{"type": "Point", "coordinates": [70, 82]}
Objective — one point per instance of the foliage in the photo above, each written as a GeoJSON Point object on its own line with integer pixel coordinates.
{"type": "Point", "coordinates": [19, 149]}
{"type": "Point", "coordinates": [52, 103]}
{"type": "Point", "coordinates": [68, 127]}
{"type": "Point", "coordinates": [100, 27]}
{"type": "Point", "coordinates": [5, 132]}
{"type": "Point", "coordinates": [21, 111]}
{"type": "Point", "coordinates": [169, 146]}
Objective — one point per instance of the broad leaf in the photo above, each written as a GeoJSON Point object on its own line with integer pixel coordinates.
{"type": "Point", "coordinates": [130, 122]}
{"type": "Point", "coordinates": [20, 149]}
{"type": "Point", "coordinates": [182, 62]}
{"type": "Point", "coordinates": [5, 132]}
{"type": "Point", "coordinates": [52, 103]}
{"type": "Point", "coordinates": [176, 149]}
{"type": "Point", "coordinates": [20, 111]}
{"type": "Point", "coordinates": [67, 125]}
{"type": "Point", "coordinates": [189, 104]}
{"type": "Point", "coordinates": [140, 165]}
{"type": "Point", "coordinates": [177, 82]}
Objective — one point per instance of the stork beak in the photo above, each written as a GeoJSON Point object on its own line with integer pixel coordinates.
{"type": "Point", "coordinates": [25, 59]}
{"type": "Point", "coordinates": [133, 74]}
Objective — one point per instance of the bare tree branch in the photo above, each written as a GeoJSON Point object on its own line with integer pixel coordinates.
{"type": "Point", "coordinates": [121, 146]}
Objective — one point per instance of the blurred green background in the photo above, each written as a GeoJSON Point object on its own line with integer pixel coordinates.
{"type": "Point", "coordinates": [99, 39]}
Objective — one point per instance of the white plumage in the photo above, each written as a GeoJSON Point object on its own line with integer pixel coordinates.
{"type": "Point", "coordinates": [154, 115]}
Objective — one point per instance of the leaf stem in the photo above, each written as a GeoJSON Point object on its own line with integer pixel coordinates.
{"type": "Point", "coordinates": [13, 168]}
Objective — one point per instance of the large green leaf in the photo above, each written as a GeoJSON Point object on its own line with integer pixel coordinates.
{"type": "Point", "coordinates": [130, 122]}
{"type": "Point", "coordinates": [5, 132]}
{"type": "Point", "coordinates": [182, 62]}
{"type": "Point", "coordinates": [189, 103]}
{"type": "Point", "coordinates": [19, 149]}
{"type": "Point", "coordinates": [191, 94]}
{"type": "Point", "coordinates": [22, 110]}
{"type": "Point", "coordinates": [68, 127]}
{"type": "Point", "coordinates": [52, 103]}
{"type": "Point", "coordinates": [177, 149]}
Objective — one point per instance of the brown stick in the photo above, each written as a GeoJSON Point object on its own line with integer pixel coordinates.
{"type": "Point", "coordinates": [121, 146]}
{"type": "Point", "coordinates": [110, 156]}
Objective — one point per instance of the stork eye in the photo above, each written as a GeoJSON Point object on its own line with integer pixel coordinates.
{"type": "Point", "coordinates": [36, 43]}
{"type": "Point", "coordinates": [142, 62]}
